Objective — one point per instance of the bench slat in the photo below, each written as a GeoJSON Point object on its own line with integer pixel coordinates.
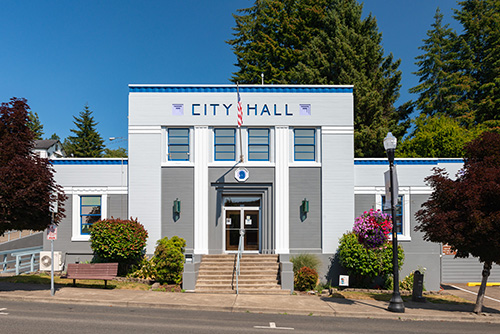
{"type": "Point", "coordinates": [92, 271]}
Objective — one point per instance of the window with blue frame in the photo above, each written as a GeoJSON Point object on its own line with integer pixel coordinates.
{"type": "Point", "coordinates": [304, 147]}
{"type": "Point", "coordinates": [399, 213]}
{"type": "Point", "coordinates": [258, 144]}
{"type": "Point", "coordinates": [178, 144]}
{"type": "Point", "coordinates": [90, 212]}
{"type": "Point", "coordinates": [224, 144]}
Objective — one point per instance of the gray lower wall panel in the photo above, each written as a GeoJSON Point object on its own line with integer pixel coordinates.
{"type": "Point", "coordinates": [118, 206]}
{"type": "Point", "coordinates": [465, 270]}
{"type": "Point", "coordinates": [363, 203]}
{"type": "Point", "coordinates": [420, 253]}
{"type": "Point", "coordinates": [305, 228]}
{"type": "Point", "coordinates": [178, 183]}
{"type": "Point", "coordinates": [74, 251]}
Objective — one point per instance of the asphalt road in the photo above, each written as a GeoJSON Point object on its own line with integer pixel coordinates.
{"type": "Point", "coordinates": [29, 317]}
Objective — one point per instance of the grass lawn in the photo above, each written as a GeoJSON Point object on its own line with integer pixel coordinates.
{"type": "Point", "coordinates": [45, 279]}
{"type": "Point", "coordinates": [437, 299]}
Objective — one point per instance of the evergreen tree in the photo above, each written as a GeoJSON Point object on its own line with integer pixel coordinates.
{"type": "Point", "coordinates": [480, 56]}
{"type": "Point", "coordinates": [35, 125]}
{"type": "Point", "coordinates": [55, 137]}
{"type": "Point", "coordinates": [439, 74]}
{"type": "Point", "coordinates": [460, 73]}
{"type": "Point", "coordinates": [324, 42]}
{"type": "Point", "coordinates": [87, 142]}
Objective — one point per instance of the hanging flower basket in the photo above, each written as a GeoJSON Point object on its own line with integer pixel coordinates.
{"type": "Point", "coordinates": [373, 228]}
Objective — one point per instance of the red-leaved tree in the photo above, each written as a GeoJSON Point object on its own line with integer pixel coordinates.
{"type": "Point", "coordinates": [27, 185]}
{"type": "Point", "coordinates": [465, 213]}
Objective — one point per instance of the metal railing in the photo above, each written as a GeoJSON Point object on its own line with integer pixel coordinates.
{"type": "Point", "coordinates": [238, 258]}
{"type": "Point", "coordinates": [25, 260]}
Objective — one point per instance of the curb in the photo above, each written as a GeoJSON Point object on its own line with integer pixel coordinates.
{"type": "Point", "coordinates": [483, 318]}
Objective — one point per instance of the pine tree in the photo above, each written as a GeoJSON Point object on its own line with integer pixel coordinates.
{"type": "Point", "coordinates": [439, 74]}
{"type": "Point", "coordinates": [481, 55]}
{"type": "Point", "coordinates": [324, 42]}
{"type": "Point", "coordinates": [35, 125]}
{"type": "Point", "coordinates": [87, 142]}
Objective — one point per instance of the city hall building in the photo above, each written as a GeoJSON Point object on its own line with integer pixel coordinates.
{"type": "Point", "coordinates": [287, 177]}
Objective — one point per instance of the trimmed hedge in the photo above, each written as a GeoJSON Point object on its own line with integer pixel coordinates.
{"type": "Point", "coordinates": [117, 240]}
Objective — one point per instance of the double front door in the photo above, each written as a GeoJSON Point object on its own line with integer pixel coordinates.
{"type": "Point", "coordinates": [244, 219]}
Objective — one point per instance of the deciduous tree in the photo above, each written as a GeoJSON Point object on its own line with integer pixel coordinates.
{"type": "Point", "coordinates": [465, 212]}
{"type": "Point", "coordinates": [27, 185]}
{"type": "Point", "coordinates": [438, 136]}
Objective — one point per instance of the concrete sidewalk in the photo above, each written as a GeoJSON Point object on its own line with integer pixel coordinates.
{"type": "Point", "coordinates": [289, 304]}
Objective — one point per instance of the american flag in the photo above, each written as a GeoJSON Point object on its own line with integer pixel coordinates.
{"type": "Point", "coordinates": [240, 109]}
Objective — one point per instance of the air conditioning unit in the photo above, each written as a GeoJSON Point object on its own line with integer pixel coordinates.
{"type": "Point", "coordinates": [46, 261]}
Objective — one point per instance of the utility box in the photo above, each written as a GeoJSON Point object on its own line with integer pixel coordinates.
{"type": "Point", "coordinates": [418, 287]}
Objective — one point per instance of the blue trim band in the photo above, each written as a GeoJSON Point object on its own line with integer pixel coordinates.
{"type": "Point", "coordinates": [89, 162]}
{"type": "Point", "coordinates": [232, 89]}
{"type": "Point", "coordinates": [408, 162]}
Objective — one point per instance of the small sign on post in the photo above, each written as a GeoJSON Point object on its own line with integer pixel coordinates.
{"type": "Point", "coordinates": [52, 232]}
{"type": "Point", "coordinates": [343, 280]}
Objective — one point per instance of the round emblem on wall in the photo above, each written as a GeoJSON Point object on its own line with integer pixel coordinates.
{"type": "Point", "coordinates": [241, 174]}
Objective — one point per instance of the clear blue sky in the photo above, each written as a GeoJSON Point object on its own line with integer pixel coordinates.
{"type": "Point", "coordinates": [61, 55]}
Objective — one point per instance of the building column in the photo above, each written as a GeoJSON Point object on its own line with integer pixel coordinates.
{"type": "Point", "coordinates": [201, 158]}
{"type": "Point", "coordinates": [281, 189]}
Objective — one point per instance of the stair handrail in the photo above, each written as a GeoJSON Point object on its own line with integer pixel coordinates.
{"type": "Point", "coordinates": [238, 257]}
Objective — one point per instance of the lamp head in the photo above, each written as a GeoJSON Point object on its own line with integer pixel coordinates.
{"type": "Point", "coordinates": [390, 142]}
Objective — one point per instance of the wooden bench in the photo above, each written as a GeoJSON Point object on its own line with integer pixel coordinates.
{"type": "Point", "coordinates": [104, 271]}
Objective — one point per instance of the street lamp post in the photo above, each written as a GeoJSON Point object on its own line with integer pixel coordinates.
{"type": "Point", "coordinates": [396, 304]}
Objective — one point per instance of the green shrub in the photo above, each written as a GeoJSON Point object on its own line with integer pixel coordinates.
{"type": "Point", "coordinates": [144, 269]}
{"type": "Point", "coordinates": [404, 284]}
{"type": "Point", "coordinates": [168, 260]}
{"type": "Point", "coordinates": [305, 279]}
{"type": "Point", "coordinates": [364, 265]}
{"type": "Point", "coordinates": [305, 260]}
{"type": "Point", "coordinates": [117, 240]}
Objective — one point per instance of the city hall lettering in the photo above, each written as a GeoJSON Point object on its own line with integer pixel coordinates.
{"type": "Point", "coordinates": [215, 109]}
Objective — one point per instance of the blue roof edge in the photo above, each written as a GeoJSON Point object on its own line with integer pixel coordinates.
{"type": "Point", "coordinates": [403, 161]}
{"type": "Point", "coordinates": [95, 161]}
{"type": "Point", "coordinates": [138, 88]}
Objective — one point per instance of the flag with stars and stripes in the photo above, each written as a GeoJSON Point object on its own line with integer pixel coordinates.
{"type": "Point", "coordinates": [240, 109]}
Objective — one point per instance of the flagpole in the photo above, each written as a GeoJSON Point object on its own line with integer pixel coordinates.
{"type": "Point", "coordinates": [240, 112]}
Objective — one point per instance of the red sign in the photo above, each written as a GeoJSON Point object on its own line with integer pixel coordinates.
{"type": "Point", "coordinates": [52, 232]}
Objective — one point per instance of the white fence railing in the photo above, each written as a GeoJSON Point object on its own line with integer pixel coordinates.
{"type": "Point", "coordinates": [24, 260]}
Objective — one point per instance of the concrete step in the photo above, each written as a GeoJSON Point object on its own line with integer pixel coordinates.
{"type": "Point", "coordinates": [258, 274]}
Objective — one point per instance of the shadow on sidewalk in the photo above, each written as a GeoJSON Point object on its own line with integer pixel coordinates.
{"type": "Point", "coordinates": [9, 286]}
{"type": "Point", "coordinates": [431, 306]}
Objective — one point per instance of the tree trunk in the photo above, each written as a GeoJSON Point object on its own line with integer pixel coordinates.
{"type": "Point", "coordinates": [482, 288]}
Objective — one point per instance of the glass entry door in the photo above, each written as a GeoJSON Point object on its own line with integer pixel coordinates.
{"type": "Point", "coordinates": [246, 219]}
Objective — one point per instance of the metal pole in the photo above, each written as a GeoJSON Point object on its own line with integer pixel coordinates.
{"type": "Point", "coordinates": [52, 267]}
{"type": "Point", "coordinates": [396, 304]}
{"type": "Point", "coordinates": [52, 262]}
